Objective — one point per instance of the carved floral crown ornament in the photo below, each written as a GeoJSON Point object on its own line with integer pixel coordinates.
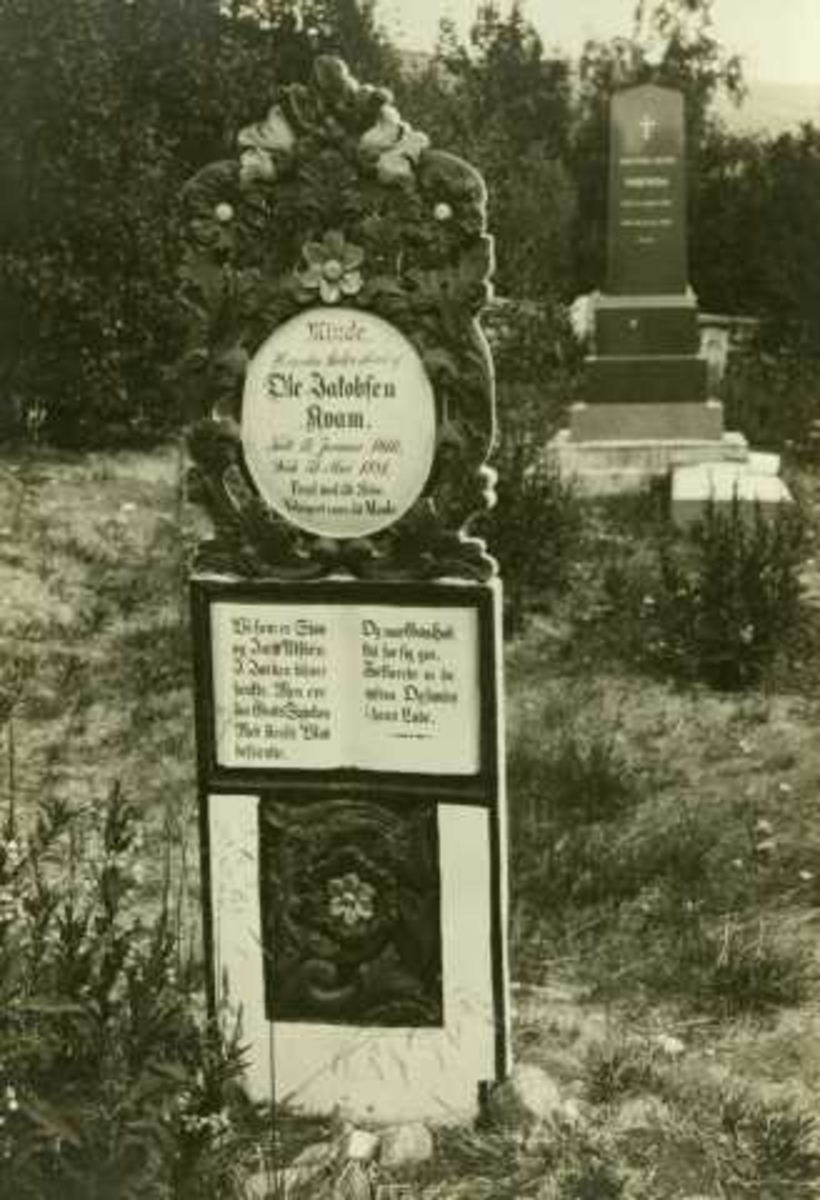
{"type": "Point", "coordinates": [334, 201]}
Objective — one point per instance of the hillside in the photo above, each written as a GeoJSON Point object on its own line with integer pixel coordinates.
{"type": "Point", "coordinates": [773, 108]}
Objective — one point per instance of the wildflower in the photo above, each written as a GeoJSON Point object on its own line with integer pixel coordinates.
{"type": "Point", "coordinates": [763, 826]}
{"type": "Point", "coordinates": [11, 1098]}
{"type": "Point", "coordinates": [224, 213]}
{"type": "Point", "coordinates": [806, 876]}
{"type": "Point", "coordinates": [442, 211]}
{"type": "Point", "coordinates": [785, 789]}
{"type": "Point", "coordinates": [12, 853]}
{"type": "Point", "coordinates": [332, 268]}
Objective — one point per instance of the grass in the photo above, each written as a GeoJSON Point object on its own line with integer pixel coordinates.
{"type": "Point", "coordinates": [665, 851]}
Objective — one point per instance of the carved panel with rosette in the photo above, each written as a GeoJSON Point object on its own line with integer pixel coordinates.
{"type": "Point", "coordinates": [351, 920]}
{"type": "Point", "coordinates": [333, 200]}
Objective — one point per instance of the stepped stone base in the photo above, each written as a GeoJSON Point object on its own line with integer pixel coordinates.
{"type": "Point", "coordinates": [646, 325]}
{"type": "Point", "coordinates": [645, 379]}
{"type": "Point", "coordinates": [617, 467]}
{"type": "Point", "coordinates": [636, 422]}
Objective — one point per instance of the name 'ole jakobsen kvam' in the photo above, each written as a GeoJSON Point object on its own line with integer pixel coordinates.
{"type": "Point", "coordinates": [287, 385]}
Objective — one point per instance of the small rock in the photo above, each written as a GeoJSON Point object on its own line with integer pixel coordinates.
{"type": "Point", "coordinates": [527, 1097]}
{"type": "Point", "coordinates": [673, 1047]}
{"type": "Point", "coordinates": [361, 1145]}
{"type": "Point", "coordinates": [403, 1144]}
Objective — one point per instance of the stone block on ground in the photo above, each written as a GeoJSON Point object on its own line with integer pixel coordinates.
{"type": "Point", "coordinates": [361, 1144]}
{"type": "Point", "coordinates": [402, 1145]}
{"type": "Point", "coordinates": [527, 1098]}
{"type": "Point", "coordinates": [723, 484]}
{"type": "Point", "coordinates": [764, 463]}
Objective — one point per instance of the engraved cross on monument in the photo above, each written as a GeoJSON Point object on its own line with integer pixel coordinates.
{"type": "Point", "coordinates": [346, 630]}
{"type": "Point", "coordinates": [645, 405]}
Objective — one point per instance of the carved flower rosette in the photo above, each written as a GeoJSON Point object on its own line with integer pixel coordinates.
{"type": "Point", "coordinates": [333, 200]}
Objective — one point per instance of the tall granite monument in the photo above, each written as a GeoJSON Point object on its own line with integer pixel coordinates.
{"type": "Point", "coordinates": [646, 406]}
{"type": "Point", "coordinates": [346, 629]}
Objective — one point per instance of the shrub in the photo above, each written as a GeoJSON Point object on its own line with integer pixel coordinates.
{"type": "Point", "coordinates": [748, 972]}
{"type": "Point", "coordinates": [766, 1149]}
{"type": "Point", "coordinates": [533, 528]}
{"type": "Point", "coordinates": [774, 399]}
{"type": "Point", "coordinates": [618, 1068]}
{"type": "Point", "coordinates": [106, 108]}
{"type": "Point", "coordinates": [536, 524]}
{"type": "Point", "coordinates": [719, 603]}
{"type": "Point", "coordinates": [729, 598]}
{"type": "Point", "coordinates": [108, 1085]}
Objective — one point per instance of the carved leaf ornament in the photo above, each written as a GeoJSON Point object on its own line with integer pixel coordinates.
{"type": "Point", "coordinates": [334, 200]}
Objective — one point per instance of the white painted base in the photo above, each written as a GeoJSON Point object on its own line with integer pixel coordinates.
{"type": "Point", "coordinates": [365, 1074]}
{"type": "Point", "coordinates": [619, 467]}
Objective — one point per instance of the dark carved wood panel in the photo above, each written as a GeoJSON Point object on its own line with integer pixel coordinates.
{"type": "Point", "coordinates": [333, 198]}
{"type": "Point", "coordinates": [351, 921]}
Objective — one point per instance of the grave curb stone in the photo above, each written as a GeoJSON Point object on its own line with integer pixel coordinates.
{"type": "Point", "coordinates": [694, 488]}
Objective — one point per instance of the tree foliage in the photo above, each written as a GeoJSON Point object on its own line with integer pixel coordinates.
{"type": "Point", "coordinates": [106, 107]}
{"type": "Point", "coordinates": [672, 44]}
{"type": "Point", "coordinates": [757, 251]}
{"type": "Point", "coordinates": [507, 108]}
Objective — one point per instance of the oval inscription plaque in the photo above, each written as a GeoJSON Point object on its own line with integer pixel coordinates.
{"type": "Point", "coordinates": [338, 422]}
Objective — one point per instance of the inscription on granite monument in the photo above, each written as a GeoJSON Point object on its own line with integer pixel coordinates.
{"type": "Point", "coordinates": [647, 199]}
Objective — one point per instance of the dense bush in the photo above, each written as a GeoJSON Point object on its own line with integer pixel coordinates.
{"type": "Point", "coordinates": [86, 238]}
{"type": "Point", "coordinates": [106, 108]}
{"type": "Point", "coordinates": [774, 400]}
{"type": "Point", "coordinates": [729, 596]}
{"type": "Point", "coordinates": [536, 523]}
{"type": "Point", "coordinates": [109, 1085]}
{"type": "Point", "coordinates": [755, 232]}
{"type": "Point", "coordinates": [719, 603]}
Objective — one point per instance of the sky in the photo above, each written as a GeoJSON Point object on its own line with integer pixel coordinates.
{"type": "Point", "coordinates": [779, 40]}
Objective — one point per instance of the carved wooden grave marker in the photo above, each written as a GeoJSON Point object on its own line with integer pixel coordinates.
{"type": "Point", "coordinates": [346, 629]}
